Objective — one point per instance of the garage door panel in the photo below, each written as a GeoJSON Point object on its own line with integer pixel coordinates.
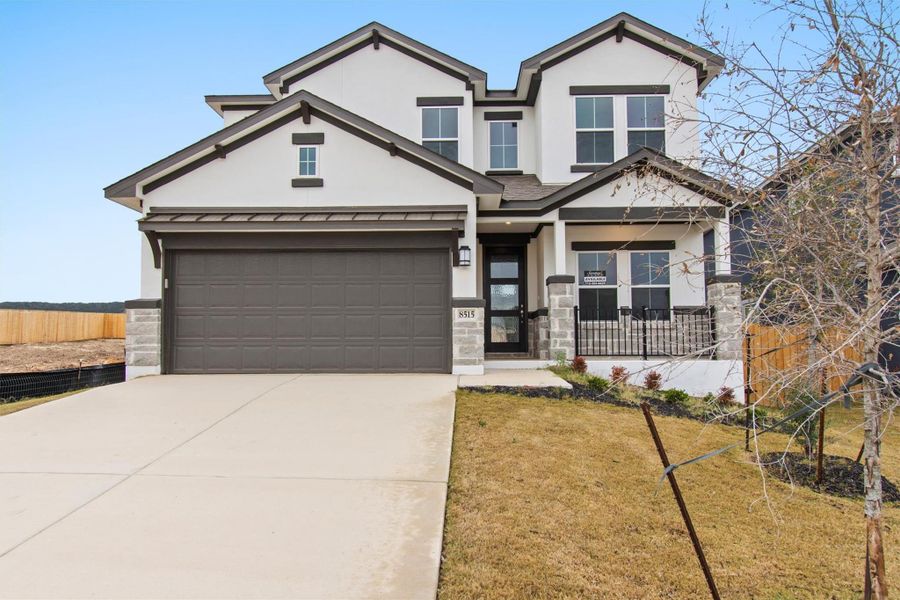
{"type": "Point", "coordinates": [326, 311]}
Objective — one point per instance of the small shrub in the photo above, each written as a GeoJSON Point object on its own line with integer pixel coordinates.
{"type": "Point", "coordinates": [618, 374]}
{"type": "Point", "coordinates": [725, 395]}
{"type": "Point", "coordinates": [598, 384]}
{"type": "Point", "coordinates": [579, 365]}
{"type": "Point", "coordinates": [561, 360]}
{"type": "Point", "coordinates": [676, 396]}
{"type": "Point", "coordinates": [652, 380]}
{"type": "Point", "coordinates": [709, 398]}
{"type": "Point", "coordinates": [761, 413]}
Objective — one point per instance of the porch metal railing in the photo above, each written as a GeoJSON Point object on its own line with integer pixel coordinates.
{"type": "Point", "coordinates": [646, 332]}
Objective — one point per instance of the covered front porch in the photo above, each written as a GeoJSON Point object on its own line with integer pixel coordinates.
{"type": "Point", "coordinates": [582, 285]}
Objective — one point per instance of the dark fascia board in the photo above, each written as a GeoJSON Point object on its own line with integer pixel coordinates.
{"type": "Point", "coordinates": [386, 36]}
{"type": "Point", "coordinates": [560, 279]}
{"type": "Point", "coordinates": [225, 102]}
{"type": "Point", "coordinates": [309, 139]}
{"type": "Point", "coordinates": [614, 90]}
{"type": "Point", "coordinates": [504, 172]}
{"type": "Point", "coordinates": [723, 278]}
{"type": "Point", "coordinates": [440, 101]}
{"type": "Point", "coordinates": [631, 245]}
{"type": "Point", "coordinates": [279, 114]}
{"type": "Point", "coordinates": [504, 239]}
{"type": "Point", "coordinates": [312, 240]}
{"type": "Point", "coordinates": [503, 115]}
{"type": "Point", "coordinates": [239, 226]}
{"type": "Point", "coordinates": [642, 214]}
{"type": "Point", "coordinates": [156, 210]}
{"type": "Point", "coordinates": [672, 169]}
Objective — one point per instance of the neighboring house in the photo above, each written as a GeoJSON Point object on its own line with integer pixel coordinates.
{"type": "Point", "coordinates": [744, 250]}
{"type": "Point", "coordinates": [382, 209]}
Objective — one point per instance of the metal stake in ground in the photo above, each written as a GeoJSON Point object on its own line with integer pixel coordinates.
{"type": "Point", "coordinates": [680, 500]}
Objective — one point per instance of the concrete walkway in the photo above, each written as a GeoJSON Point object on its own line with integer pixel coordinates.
{"type": "Point", "coordinates": [527, 378]}
{"type": "Point", "coordinates": [228, 486]}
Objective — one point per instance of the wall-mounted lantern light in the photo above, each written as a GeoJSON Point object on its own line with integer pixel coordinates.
{"type": "Point", "coordinates": [465, 256]}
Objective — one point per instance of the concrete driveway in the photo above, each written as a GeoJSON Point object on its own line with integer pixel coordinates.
{"type": "Point", "coordinates": [228, 486]}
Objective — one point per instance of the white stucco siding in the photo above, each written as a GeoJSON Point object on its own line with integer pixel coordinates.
{"type": "Point", "coordinates": [382, 86]}
{"type": "Point", "coordinates": [230, 117]}
{"type": "Point", "coordinates": [686, 279]}
{"type": "Point", "coordinates": [612, 63]}
{"type": "Point", "coordinates": [355, 173]}
{"type": "Point", "coordinates": [151, 277]}
{"type": "Point", "coordinates": [526, 138]}
{"type": "Point", "coordinates": [649, 190]}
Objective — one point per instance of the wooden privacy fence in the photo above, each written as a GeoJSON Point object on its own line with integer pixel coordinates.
{"type": "Point", "coordinates": [45, 326]}
{"type": "Point", "coordinates": [774, 354]}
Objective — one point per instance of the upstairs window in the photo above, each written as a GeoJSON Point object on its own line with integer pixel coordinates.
{"type": "Point", "coordinates": [440, 131]}
{"type": "Point", "coordinates": [646, 123]}
{"type": "Point", "coordinates": [504, 144]}
{"type": "Point", "coordinates": [309, 161]}
{"type": "Point", "coordinates": [594, 130]}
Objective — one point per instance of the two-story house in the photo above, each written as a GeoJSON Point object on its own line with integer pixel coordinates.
{"type": "Point", "coordinates": [383, 209]}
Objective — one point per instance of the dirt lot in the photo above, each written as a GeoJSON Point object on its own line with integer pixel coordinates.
{"type": "Point", "coordinates": [61, 355]}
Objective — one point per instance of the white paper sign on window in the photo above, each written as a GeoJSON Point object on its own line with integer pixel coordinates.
{"type": "Point", "coordinates": [594, 278]}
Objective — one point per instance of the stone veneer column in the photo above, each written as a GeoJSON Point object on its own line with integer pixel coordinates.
{"type": "Point", "coordinates": [539, 332]}
{"type": "Point", "coordinates": [561, 292]}
{"type": "Point", "coordinates": [142, 338]}
{"type": "Point", "coordinates": [723, 293]}
{"type": "Point", "coordinates": [468, 336]}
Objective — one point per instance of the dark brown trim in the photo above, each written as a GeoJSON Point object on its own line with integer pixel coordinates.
{"type": "Point", "coordinates": [537, 230]}
{"type": "Point", "coordinates": [371, 240]}
{"type": "Point", "coordinates": [698, 67]}
{"type": "Point", "coordinates": [143, 303]}
{"type": "Point", "coordinates": [153, 240]}
{"type": "Point", "coordinates": [237, 107]}
{"type": "Point", "coordinates": [541, 312]}
{"type": "Point", "coordinates": [560, 279]}
{"type": "Point", "coordinates": [586, 168]}
{"type": "Point", "coordinates": [311, 139]}
{"type": "Point", "coordinates": [208, 158]}
{"type": "Point", "coordinates": [392, 149]}
{"type": "Point", "coordinates": [220, 151]}
{"type": "Point", "coordinates": [440, 101]}
{"type": "Point", "coordinates": [306, 182]}
{"type": "Point", "coordinates": [304, 112]}
{"type": "Point", "coordinates": [578, 49]}
{"type": "Point", "coordinates": [416, 160]}
{"type": "Point", "coordinates": [297, 226]}
{"type": "Point", "coordinates": [492, 173]}
{"type": "Point", "coordinates": [376, 39]}
{"type": "Point", "coordinates": [609, 90]}
{"type": "Point", "coordinates": [633, 245]}
{"type": "Point", "coordinates": [620, 31]}
{"type": "Point", "coordinates": [496, 103]}
{"type": "Point", "coordinates": [723, 278]}
{"type": "Point", "coordinates": [533, 87]}
{"type": "Point", "coordinates": [156, 210]}
{"type": "Point", "coordinates": [426, 61]}
{"type": "Point", "coordinates": [506, 115]}
{"type": "Point", "coordinates": [288, 82]}
{"type": "Point", "coordinates": [648, 214]}
{"type": "Point", "coordinates": [504, 239]}
{"type": "Point", "coordinates": [467, 303]}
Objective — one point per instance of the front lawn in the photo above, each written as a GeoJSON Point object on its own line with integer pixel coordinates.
{"type": "Point", "coordinates": [11, 407]}
{"type": "Point", "coordinates": [557, 498]}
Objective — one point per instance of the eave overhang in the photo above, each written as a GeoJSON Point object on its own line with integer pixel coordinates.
{"type": "Point", "coordinates": [222, 103]}
{"type": "Point", "coordinates": [298, 105]}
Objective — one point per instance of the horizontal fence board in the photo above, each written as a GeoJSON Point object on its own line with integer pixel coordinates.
{"type": "Point", "coordinates": [48, 326]}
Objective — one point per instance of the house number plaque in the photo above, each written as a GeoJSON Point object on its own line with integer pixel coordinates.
{"type": "Point", "coordinates": [465, 313]}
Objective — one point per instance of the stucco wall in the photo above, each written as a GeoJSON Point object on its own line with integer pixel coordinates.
{"type": "Point", "coordinates": [611, 63]}
{"type": "Point", "coordinates": [382, 86]}
{"type": "Point", "coordinates": [526, 138]}
{"type": "Point", "coordinates": [355, 173]}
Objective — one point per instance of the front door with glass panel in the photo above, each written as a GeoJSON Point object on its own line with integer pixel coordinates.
{"type": "Point", "coordinates": [505, 297]}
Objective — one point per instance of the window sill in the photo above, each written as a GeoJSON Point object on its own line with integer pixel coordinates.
{"type": "Point", "coordinates": [301, 182]}
{"type": "Point", "coordinates": [588, 168]}
{"type": "Point", "coordinates": [503, 172]}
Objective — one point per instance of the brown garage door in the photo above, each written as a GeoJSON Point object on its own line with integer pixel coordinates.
{"type": "Point", "coordinates": [256, 312]}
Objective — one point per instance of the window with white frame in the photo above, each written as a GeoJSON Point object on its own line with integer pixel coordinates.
{"type": "Point", "coordinates": [309, 161]}
{"type": "Point", "coordinates": [646, 123]}
{"type": "Point", "coordinates": [597, 277]}
{"type": "Point", "coordinates": [650, 284]}
{"type": "Point", "coordinates": [504, 144]}
{"type": "Point", "coordinates": [594, 139]}
{"type": "Point", "coordinates": [440, 130]}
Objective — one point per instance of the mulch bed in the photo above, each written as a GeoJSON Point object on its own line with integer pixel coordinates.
{"type": "Point", "coordinates": [842, 476]}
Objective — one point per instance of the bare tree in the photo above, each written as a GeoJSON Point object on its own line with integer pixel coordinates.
{"type": "Point", "coordinates": [806, 133]}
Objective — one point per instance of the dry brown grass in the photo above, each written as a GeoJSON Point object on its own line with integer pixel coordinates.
{"type": "Point", "coordinates": [559, 499]}
{"type": "Point", "coordinates": [11, 407]}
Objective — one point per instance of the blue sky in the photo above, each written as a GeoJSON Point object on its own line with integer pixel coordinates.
{"type": "Point", "coordinates": [93, 91]}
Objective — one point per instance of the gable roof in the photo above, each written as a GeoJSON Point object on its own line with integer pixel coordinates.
{"type": "Point", "coordinates": [225, 102]}
{"type": "Point", "coordinates": [304, 105]}
{"type": "Point", "coordinates": [644, 158]}
{"type": "Point", "coordinates": [373, 33]}
{"type": "Point", "coordinates": [620, 26]}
